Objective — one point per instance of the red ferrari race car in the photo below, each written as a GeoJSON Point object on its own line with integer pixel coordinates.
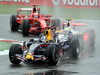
{"type": "Point", "coordinates": [29, 20]}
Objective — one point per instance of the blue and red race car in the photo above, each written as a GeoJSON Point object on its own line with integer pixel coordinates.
{"type": "Point", "coordinates": [48, 48]}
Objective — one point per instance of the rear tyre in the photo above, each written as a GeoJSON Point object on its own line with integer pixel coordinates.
{"type": "Point", "coordinates": [74, 49]}
{"type": "Point", "coordinates": [13, 23]}
{"type": "Point", "coordinates": [56, 23]}
{"type": "Point", "coordinates": [52, 54]}
{"type": "Point", "coordinates": [15, 49]}
{"type": "Point", "coordinates": [81, 42]}
{"type": "Point", "coordinates": [93, 38]}
{"type": "Point", "coordinates": [90, 42]}
{"type": "Point", "coordinates": [25, 27]}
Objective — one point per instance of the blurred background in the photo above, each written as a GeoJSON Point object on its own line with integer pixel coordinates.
{"type": "Point", "coordinates": [77, 9]}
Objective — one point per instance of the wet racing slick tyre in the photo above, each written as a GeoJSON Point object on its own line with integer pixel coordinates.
{"type": "Point", "coordinates": [74, 49]}
{"type": "Point", "coordinates": [13, 23]}
{"type": "Point", "coordinates": [89, 38]}
{"type": "Point", "coordinates": [93, 36]}
{"type": "Point", "coordinates": [52, 55]}
{"type": "Point", "coordinates": [81, 42]}
{"type": "Point", "coordinates": [15, 49]}
{"type": "Point", "coordinates": [57, 23]}
{"type": "Point", "coordinates": [25, 27]}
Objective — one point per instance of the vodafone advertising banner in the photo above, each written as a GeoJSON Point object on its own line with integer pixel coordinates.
{"type": "Point", "coordinates": [52, 3]}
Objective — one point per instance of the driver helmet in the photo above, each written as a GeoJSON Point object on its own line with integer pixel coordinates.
{"type": "Point", "coordinates": [43, 38]}
{"type": "Point", "coordinates": [35, 15]}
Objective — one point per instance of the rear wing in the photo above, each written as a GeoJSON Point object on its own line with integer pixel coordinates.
{"type": "Point", "coordinates": [70, 21]}
{"type": "Point", "coordinates": [24, 9]}
{"type": "Point", "coordinates": [74, 24]}
{"type": "Point", "coordinates": [78, 24]}
{"type": "Point", "coordinates": [27, 9]}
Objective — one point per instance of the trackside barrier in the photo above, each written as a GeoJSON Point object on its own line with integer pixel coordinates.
{"type": "Point", "coordinates": [53, 3]}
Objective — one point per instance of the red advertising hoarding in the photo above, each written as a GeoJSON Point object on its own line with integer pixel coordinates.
{"type": "Point", "coordinates": [52, 3]}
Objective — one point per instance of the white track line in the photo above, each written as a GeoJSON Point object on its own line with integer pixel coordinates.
{"type": "Point", "coordinates": [5, 15]}
{"type": "Point", "coordinates": [4, 52]}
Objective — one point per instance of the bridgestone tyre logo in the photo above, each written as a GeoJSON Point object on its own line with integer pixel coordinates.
{"type": "Point", "coordinates": [56, 2]}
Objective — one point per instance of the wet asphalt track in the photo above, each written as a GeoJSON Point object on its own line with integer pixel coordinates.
{"type": "Point", "coordinates": [87, 64]}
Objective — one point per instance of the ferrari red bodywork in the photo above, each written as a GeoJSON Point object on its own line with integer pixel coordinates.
{"type": "Point", "coordinates": [38, 22]}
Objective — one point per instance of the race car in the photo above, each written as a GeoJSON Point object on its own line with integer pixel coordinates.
{"type": "Point", "coordinates": [46, 49]}
{"type": "Point", "coordinates": [85, 35]}
{"type": "Point", "coordinates": [29, 20]}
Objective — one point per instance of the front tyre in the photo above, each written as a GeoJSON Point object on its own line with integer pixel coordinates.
{"type": "Point", "coordinates": [25, 27]}
{"type": "Point", "coordinates": [52, 55]}
{"type": "Point", "coordinates": [15, 49]}
{"type": "Point", "coordinates": [13, 23]}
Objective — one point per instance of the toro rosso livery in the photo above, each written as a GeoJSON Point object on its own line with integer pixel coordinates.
{"type": "Point", "coordinates": [29, 20]}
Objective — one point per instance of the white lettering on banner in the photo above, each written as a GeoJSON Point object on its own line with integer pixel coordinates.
{"type": "Point", "coordinates": [56, 2]}
{"type": "Point", "coordinates": [97, 2]}
{"type": "Point", "coordinates": [8, 0]}
{"type": "Point", "coordinates": [77, 2]}
{"type": "Point", "coordinates": [22, 0]}
{"type": "Point", "coordinates": [82, 2]}
{"type": "Point", "coordinates": [27, 1]}
{"type": "Point", "coordinates": [92, 2]}
{"type": "Point", "coordinates": [86, 3]}
{"type": "Point", "coordinates": [64, 1]}
{"type": "Point", "coordinates": [70, 2]}
{"type": "Point", "coordinates": [15, 0]}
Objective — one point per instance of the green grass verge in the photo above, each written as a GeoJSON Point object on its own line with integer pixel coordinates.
{"type": "Point", "coordinates": [5, 46]}
{"type": "Point", "coordinates": [76, 13]}
{"type": "Point", "coordinates": [9, 9]}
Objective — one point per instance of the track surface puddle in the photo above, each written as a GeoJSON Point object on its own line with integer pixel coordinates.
{"type": "Point", "coordinates": [53, 72]}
